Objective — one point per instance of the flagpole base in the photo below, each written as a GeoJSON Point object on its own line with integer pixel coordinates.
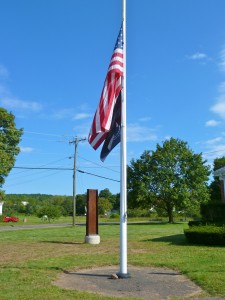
{"type": "Point", "coordinates": [123, 275]}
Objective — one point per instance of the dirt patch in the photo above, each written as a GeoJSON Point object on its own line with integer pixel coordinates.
{"type": "Point", "coordinates": [145, 283]}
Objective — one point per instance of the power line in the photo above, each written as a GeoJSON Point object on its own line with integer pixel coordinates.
{"type": "Point", "coordinates": [99, 165]}
{"type": "Point", "coordinates": [65, 169]}
{"type": "Point", "coordinates": [97, 175]}
{"type": "Point", "coordinates": [31, 180]}
{"type": "Point", "coordinates": [43, 168]}
{"type": "Point", "coordinates": [221, 150]}
{"type": "Point", "coordinates": [40, 166]}
{"type": "Point", "coordinates": [40, 133]}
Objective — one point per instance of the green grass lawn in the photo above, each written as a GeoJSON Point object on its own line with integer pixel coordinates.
{"type": "Point", "coordinates": [30, 260]}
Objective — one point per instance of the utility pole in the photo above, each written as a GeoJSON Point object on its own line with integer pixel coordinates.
{"type": "Point", "coordinates": [75, 142]}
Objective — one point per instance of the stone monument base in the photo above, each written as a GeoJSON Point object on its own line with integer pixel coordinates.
{"type": "Point", "coordinates": [92, 239]}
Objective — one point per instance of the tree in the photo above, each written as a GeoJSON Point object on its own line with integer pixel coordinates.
{"type": "Point", "coordinates": [170, 178]}
{"type": "Point", "coordinates": [215, 188]}
{"type": "Point", "coordinates": [9, 139]}
{"type": "Point", "coordinates": [51, 211]}
{"type": "Point", "coordinates": [81, 203]}
{"type": "Point", "coordinates": [105, 194]}
{"type": "Point", "coordinates": [114, 199]}
{"type": "Point", "coordinates": [104, 206]}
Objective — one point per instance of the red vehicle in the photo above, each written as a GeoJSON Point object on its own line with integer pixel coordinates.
{"type": "Point", "coordinates": [10, 219]}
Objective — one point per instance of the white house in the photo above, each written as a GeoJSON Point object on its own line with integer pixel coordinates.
{"type": "Point", "coordinates": [1, 205]}
{"type": "Point", "coordinates": [221, 174]}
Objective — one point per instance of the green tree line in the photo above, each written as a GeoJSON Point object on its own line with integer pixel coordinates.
{"type": "Point", "coordinates": [167, 180]}
{"type": "Point", "coordinates": [33, 203]}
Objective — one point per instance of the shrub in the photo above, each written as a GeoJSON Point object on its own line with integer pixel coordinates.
{"type": "Point", "coordinates": [213, 212]}
{"type": "Point", "coordinates": [196, 223]}
{"type": "Point", "coordinates": [206, 235]}
{"type": "Point", "coordinates": [114, 216]}
{"type": "Point", "coordinates": [51, 211]}
{"type": "Point", "coordinates": [138, 212]}
{"type": "Point", "coordinates": [205, 223]}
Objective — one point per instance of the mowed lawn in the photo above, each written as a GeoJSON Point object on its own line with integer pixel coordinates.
{"type": "Point", "coordinates": [30, 260]}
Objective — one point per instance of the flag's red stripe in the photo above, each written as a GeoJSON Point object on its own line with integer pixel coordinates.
{"type": "Point", "coordinates": [112, 87]}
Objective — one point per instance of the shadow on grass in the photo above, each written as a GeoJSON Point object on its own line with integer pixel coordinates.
{"type": "Point", "coordinates": [64, 243]}
{"type": "Point", "coordinates": [176, 239]}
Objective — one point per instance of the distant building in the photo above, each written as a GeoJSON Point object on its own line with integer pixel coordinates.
{"type": "Point", "coordinates": [221, 174]}
{"type": "Point", "coordinates": [1, 205]}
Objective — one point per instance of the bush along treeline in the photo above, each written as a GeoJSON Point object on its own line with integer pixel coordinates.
{"type": "Point", "coordinates": [37, 204]}
{"type": "Point", "coordinates": [170, 182]}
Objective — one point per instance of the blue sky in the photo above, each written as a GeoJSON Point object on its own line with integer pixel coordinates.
{"type": "Point", "coordinates": [54, 57]}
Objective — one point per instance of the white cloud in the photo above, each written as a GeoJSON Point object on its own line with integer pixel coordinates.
{"type": "Point", "coordinates": [214, 148]}
{"type": "Point", "coordinates": [70, 113]}
{"type": "Point", "coordinates": [137, 133]}
{"type": "Point", "coordinates": [222, 60]}
{"type": "Point", "coordinates": [3, 90]}
{"type": "Point", "coordinates": [82, 129]}
{"type": "Point", "coordinates": [212, 123]}
{"type": "Point", "coordinates": [8, 101]}
{"type": "Point", "coordinates": [26, 149]}
{"type": "Point", "coordinates": [215, 151]}
{"type": "Point", "coordinates": [219, 107]}
{"type": "Point", "coordinates": [214, 141]}
{"type": "Point", "coordinates": [13, 103]}
{"type": "Point", "coordinates": [81, 116]}
{"type": "Point", "coordinates": [222, 88]}
{"type": "Point", "coordinates": [145, 119]}
{"type": "Point", "coordinates": [63, 114]}
{"type": "Point", "coordinates": [4, 73]}
{"type": "Point", "coordinates": [198, 56]}
{"type": "Point", "coordinates": [167, 137]}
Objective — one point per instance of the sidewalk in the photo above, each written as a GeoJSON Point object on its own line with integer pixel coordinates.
{"type": "Point", "coordinates": [144, 283]}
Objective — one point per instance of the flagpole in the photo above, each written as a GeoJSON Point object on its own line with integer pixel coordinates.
{"type": "Point", "coordinates": [123, 163]}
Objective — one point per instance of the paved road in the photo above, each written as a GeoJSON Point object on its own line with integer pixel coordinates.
{"type": "Point", "coordinates": [19, 227]}
{"type": "Point", "coordinates": [47, 225]}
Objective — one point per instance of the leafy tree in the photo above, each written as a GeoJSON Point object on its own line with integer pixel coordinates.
{"type": "Point", "coordinates": [81, 203]}
{"type": "Point", "coordinates": [104, 205]}
{"type": "Point", "coordinates": [9, 139]}
{"type": "Point", "coordinates": [51, 211]}
{"type": "Point", "coordinates": [105, 194]}
{"type": "Point", "coordinates": [170, 178]}
{"type": "Point", "coordinates": [67, 206]}
{"type": "Point", "coordinates": [114, 199]}
{"type": "Point", "coordinates": [215, 186]}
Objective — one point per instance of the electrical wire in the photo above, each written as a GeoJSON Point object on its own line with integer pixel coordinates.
{"type": "Point", "coordinates": [43, 168]}
{"type": "Point", "coordinates": [104, 167]}
{"type": "Point", "coordinates": [97, 175]}
{"type": "Point", "coordinates": [40, 166]}
{"type": "Point", "coordinates": [64, 169]}
{"type": "Point", "coordinates": [39, 133]}
{"type": "Point", "coordinates": [31, 180]}
{"type": "Point", "coordinates": [221, 150]}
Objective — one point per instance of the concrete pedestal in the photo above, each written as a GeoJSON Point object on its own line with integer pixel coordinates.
{"type": "Point", "coordinates": [92, 239]}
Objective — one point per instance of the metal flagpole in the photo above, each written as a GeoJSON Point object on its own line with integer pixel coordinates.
{"type": "Point", "coordinates": [123, 164]}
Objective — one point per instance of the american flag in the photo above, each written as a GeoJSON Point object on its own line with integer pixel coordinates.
{"type": "Point", "coordinates": [101, 124]}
